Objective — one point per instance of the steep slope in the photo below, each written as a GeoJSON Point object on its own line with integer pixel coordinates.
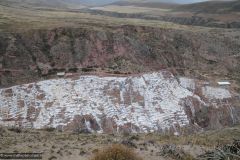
{"type": "Point", "coordinates": [154, 102]}
{"type": "Point", "coordinates": [32, 55]}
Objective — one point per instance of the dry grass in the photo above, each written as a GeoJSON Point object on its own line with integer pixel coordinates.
{"type": "Point", "coordinates": [84, 146]}
{"type": "Point", "coordinates": [116, 152]}
{"type": "Point", "coordinates": [20, 20]}
{"type": "Point", "coordinates": [208, 138]}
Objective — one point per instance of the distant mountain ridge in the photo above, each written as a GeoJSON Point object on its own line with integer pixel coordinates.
{"type": "Point", "coordinates": [141, 3]}
{"type": "Point", "coordinates": [212, 7]}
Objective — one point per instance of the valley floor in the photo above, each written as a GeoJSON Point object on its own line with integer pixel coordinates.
{"type": "Point", "coordinates": [72, 146]}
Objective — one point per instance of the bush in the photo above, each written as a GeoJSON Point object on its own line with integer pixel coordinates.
{"type": "Point", "coordinates": [116, 152]}
{"type": "Point", "coordinates": [2, 130]}
{"type": "Point", "coordinates": [15, 129]}
{"type": "Point", "coordinates": [226, 152]}
{"type": "Point", "coordinates": [129, 144]}
{"type": "Point", "coordinates": [174, 152]}
{"type": "Point", "coordinates": [49, 129]}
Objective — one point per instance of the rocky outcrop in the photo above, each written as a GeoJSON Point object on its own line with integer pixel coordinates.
{"type": "Point", "coordinates": [152, 102]}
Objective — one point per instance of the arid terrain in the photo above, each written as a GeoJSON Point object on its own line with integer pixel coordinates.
{"type": "Point", "coordinates": [160, 78]}
{"type": "Point", "coordinates": [74, 146]}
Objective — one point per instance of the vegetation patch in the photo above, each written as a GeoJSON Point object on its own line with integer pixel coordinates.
{"type": "Point", "coordinates": [226, 152]}
{"type": "Point", "coordinates": [174, 152]}
{"type": "Point", "coordinates": [116, 152]}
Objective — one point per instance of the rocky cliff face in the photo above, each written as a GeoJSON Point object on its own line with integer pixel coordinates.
{"type": "Point", "coordinates": [149, 102]}
{"type": "Point", "coordinates": [30, 56]}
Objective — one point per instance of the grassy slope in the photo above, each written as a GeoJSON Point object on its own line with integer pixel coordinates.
{"type": "Point", "coordinates": [17, 16]}
{"type": "Point", "coordinates": [208, 138]}
{"type": "Point", "coordinates": [42, 3]}
{"type": "Point", "coordinates": [131, 9]}
{"type": "Point", "coordinates": [14, 18]}
{"type": "Point", "coordinates": [212, 14]}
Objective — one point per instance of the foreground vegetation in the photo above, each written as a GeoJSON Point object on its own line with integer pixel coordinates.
{"type": "Point", "coordinates": [116, 152]}
{"type": "Point", "coordinates": [61, 145]}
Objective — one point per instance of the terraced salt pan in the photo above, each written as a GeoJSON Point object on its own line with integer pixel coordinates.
{"type": "Point", "coordinates": [215, 93]}
{"type": "Point", "coordinates": [151, 101]}
{"type": "Point", "coordinates": [187, 83]}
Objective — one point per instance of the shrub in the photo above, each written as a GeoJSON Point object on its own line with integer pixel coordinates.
{"type": "Point", "coordinates": [49, 129]}
{"type": "Point", "coordinates": [15, 129]}
{"type": "Point", "coordinates": [116, 152]}
{"type": "Point", "coordinates": [2, 130]}
{"type": "Point", "coordinates": [52, 157]}
{"type": "Point", "coordinates": [129, 144]}
{"type": "Point", "coordinates": [174, 152]}
{"type": "Point", "coordinates": [226, 152]}
{"type": "Point", "coordinates": [134, 137]}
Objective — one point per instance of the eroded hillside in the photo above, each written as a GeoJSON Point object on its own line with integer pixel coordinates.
{"type": "Point", "coordinates": [29, 56]}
